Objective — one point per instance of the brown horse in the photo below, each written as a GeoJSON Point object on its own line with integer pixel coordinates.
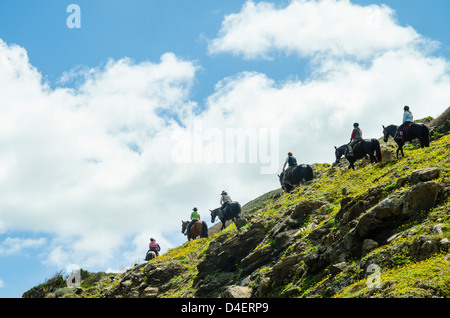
{"type": "Point", "coordinates": [197, 229]}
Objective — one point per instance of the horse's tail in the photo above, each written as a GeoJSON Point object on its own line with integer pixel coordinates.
{"type": "Point", "coordinates": [426, 139]}
{"type": "Point", "coordinates": [310, 173]}
{"type": "Point", "coordinates": [376, 145]}
{"type": "Point", "coordinates": [237, 210]}
{"type": "Point", "coordinates": [204, 229]}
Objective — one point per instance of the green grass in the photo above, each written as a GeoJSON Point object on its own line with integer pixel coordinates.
{"type": "Point", "coordinates": [427, 278]}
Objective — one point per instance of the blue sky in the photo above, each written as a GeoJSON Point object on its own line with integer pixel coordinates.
{"type": "Point", "coordinates": [158, 27]}
{"type": "Point", "coordinates": [88, 131]}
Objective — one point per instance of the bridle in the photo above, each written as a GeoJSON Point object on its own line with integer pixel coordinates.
{"type": "Point", "coordinates": [386, 134]}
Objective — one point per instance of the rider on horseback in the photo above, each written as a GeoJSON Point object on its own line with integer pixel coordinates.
{"type": "Point", "coordinates": [407, 119]}
{"type": "Point", "coordinates": [154, 246]}
{"type": "Point", "coordinates": [225, 199]}
{"type": "Point", "coordinates": [355, 138]}
{"type": "Point", "coordinates": [291, 161]}
{"type": "Point", "coordinates": [195, 216]}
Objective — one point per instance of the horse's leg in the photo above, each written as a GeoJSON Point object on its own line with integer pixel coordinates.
{"type": "Point", "coordinates": [400, 149]}
{"type": "Point", "coordinates": [351, 161]}
{"type": "Point", "coordinates": [422, 142]}
{"type": "Point", "coordinates": [400, 146]}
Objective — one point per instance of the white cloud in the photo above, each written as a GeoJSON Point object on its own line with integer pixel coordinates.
{"type": "Point", "coordinates": [2, 284]}
{"type": "Point", "coordinates": [315, 115]}
{"type": "Point", "coordinates": [14, 245]}
{"type": "Point", "coordinates": [365, 68]}
{"type": "Point", "coordinates": [82, 164]}
{"type": "Point", "coordinates": [307, 28]}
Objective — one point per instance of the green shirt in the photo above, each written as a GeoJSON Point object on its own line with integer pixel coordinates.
{"type": "Point", "coordinates": [195, 215]}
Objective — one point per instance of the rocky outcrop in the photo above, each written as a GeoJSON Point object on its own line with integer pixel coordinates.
{"type": "Point", "coordinates": [420, 175]}
{"type": "Point", "coordinates": [378, 223]}
{"type": "Point", "coordinates": [144, 281]}
{"type": "Point", "coordinates": [254, 263]}
{"type": "Point", "coordinates": [368, 222]}
{"type": "Point", "coordinates": [224, 255]}
{"type": "Point", "coordinates": [398, 207]}
{"type": "Point", "coordinates": [352, 208]}
{"type": "Point", "coordinates": [235, 291]}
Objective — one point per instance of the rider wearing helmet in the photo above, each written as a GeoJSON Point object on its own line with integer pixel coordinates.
{"type": "Point", "coordinates": [154, 246]}
{"type": "Point", "coordinates": [291, 162]}
{"type": "Point", "coordinates": [407, 119]}
{"type": "Point", "coordinates": [195, 216]}
{"type": "Point", "coordinates": [355, 138]}
{"type": "Point", "coordinates": [225, 199]}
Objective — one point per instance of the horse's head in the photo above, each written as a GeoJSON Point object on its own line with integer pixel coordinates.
{"type": "Point", "coordinates": [390, 130]}
{"type": "Point", "coordinates": [338, 154]}
{"type": "Point", "coordinates": [213, 215]}
{"type": "Point", "coordinates": [282, 183]}
{"type": "Point", "coordinates": [280, 178]}
{"type": "Point", "coordinates": [184, 225]}
{"type": "Point", "coordinates": [385, 134]}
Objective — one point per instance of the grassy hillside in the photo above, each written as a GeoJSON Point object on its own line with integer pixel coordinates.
{"type": "Point", "coordinates": [401, 274]}
{"type": "Point", "coordinates": [312, 243]}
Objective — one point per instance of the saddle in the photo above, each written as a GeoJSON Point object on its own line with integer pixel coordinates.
{"type": "Point", "coordinates": [347, 150]}
{"type": "Point", "coordinates": [406, 126]}
{"type": "Point", "coordinates": [401, 131]}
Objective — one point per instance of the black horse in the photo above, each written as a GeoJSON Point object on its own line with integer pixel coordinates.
{"type": "Point", "coordinates": [419, 131]}
{"type": "Point", "coordinates": [295, 175]}
{"type": "Point", "coordinates": [150, 255]}
{"type": "Point", "coordinates": [231, 212]}
{"type": "Point", "coordinates": [360, 150]}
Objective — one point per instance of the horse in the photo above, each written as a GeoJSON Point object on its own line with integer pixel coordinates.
{"type": "Point", "coordinates": [295, 176]}
{"type": "Point", "coordinates": [150, 255]}
{"type": "Point", "coordinates": [199, 228]}
{"type": "Point", "coordinates": [231, 212]}
{"type": "Point", "coordinates": [360, 150]}
{"type": "Point", "coordinates": [419, 131]}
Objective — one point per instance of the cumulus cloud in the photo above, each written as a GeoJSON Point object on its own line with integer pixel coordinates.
{"type": "Point", "coordinates": [14, 245]}
{"type": "Point", "coordinates": [83, 164]}
{"type": "Point", "coordinates": [365, 67]}
{"type": "Point", "coordinates": [308, 28]}
{"type": "Point", "coordinates": [315, 115]}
